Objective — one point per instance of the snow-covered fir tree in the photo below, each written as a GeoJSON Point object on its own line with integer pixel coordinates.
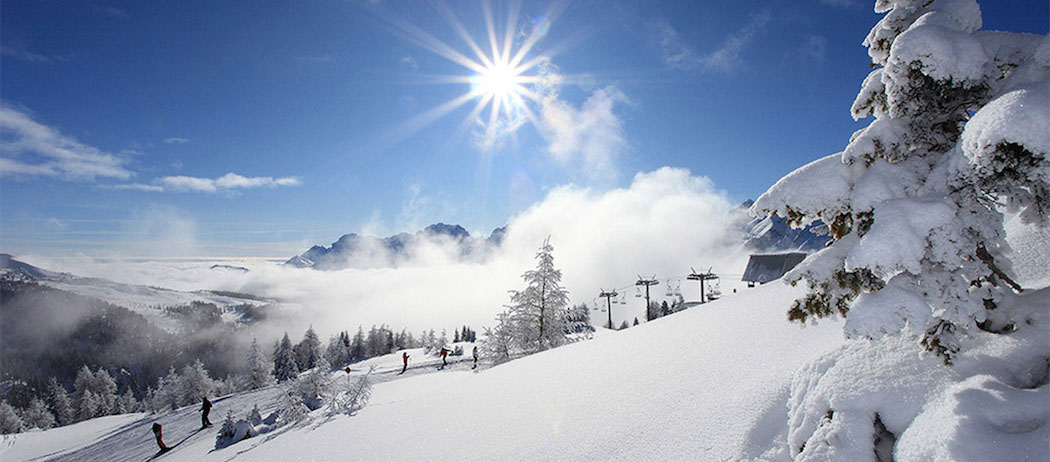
{"type": "Point", "coordinates": [915, 203]}
{"type": "Point", "coordinates": [538, 313]}
{"type": "Point", "coordinates": [308, 350]}
{"type": "Point", "coordinates": [10, 421]}
{"type": "Point", "coordinates": [499, 340]}
{"type": "Point", "coordinates": [284, 365]}
{"type": "Point", "coordinates": [94, 393]}
{"type": "Point", "coordinates": [58, 401]}
{"type": "Point", "coordinates": [259, 371]}
{"type": "Point", "coordinates": [358, 349]}
{"type": "Point", "coordinates": [37, 415]}
{"type": "Point", "coordinates": [196, 383]}
{"type": "Point", "coordinates": [169, 391]}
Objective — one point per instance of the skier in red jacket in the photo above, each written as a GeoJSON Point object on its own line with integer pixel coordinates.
{"type": "Point", "coordinates": [160, 442]}
{"type": "Point", "coordinates": [404, 357]}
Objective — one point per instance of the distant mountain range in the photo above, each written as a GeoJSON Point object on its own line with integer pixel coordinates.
{"type": "Point", "coordinates": [773, 234]}
{"type": "Point", "coordinates": [356, 251]}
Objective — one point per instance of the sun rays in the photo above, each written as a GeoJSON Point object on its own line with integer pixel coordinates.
{"type": "Point", "coordinates": [501, 81]}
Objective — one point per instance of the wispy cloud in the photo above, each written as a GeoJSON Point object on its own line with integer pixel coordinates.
{"type": "Point", "coordinates": [112, 11]}
{"type": "Point", "coordinates": [30, 148]}
{"type": "Point", "coordinates": [677, 54]}
{"type": "Point", "coordinates": [29, 56]}
{"type": "Point", "coordinates": [227, 182]}
{"type": "Point", "coordinates": [176, 140]}
{"type": "Point", "coordinates": [589, 138]}
{"type": "Point", "coordinates": [814, 47]}
{"type": "Point", "coordinates": [409, 62]}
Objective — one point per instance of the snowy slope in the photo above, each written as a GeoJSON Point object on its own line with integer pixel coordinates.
{"type": "Point", "coordinates": [709, 383]}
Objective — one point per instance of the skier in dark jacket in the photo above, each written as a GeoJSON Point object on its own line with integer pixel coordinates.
{"type": "Point", "coordinates": [404, 357]}
{"type": "Point", "coordinates": [475, 357]}
{"type": "Point", "coordinates": [205, 409]}
{"type": "Point", "coordinates": [160, 442]}
{"type": "Point", "coordinates": [444, 354]}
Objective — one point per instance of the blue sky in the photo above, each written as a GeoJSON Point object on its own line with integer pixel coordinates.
{"type": "Point", "coordinates": [256, 129]}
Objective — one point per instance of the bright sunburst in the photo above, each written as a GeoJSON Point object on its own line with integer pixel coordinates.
{"type": "Point", "coordinates": [500, 79]}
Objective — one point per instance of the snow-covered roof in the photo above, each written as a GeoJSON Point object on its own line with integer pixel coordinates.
{"type": "Point", "coordinates": [767, 267]}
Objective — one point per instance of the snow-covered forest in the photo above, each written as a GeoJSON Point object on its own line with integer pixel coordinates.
{"type": "Point", "coordinates": [918, 332]}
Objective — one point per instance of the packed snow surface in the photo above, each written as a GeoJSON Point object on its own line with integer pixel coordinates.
{"type": "Point", "coordinates": [708, 383]}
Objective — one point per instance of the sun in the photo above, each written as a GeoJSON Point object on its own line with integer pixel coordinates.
{"type": "Point", "coordinates": [499, 81]}
{"type": "Point", "coordinates": [502, 79]}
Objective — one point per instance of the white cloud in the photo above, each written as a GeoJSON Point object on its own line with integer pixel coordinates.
{"type": "Point", "coordinates": [678, 55]}
{"type": "Point", "coordinates": [176, 140]}
{"type": "Point", "coordinates": [587, 140]}
{"type": "Point", "coordinates": [227, 182]}
{"type": "Point", "coordinates": [32, 149]}
{"type": "Point", "coordinates": [29, 56]}
{"type": "Point", "coordinates": [815, 47]}
{"type": "Point", "coordinates": [410, 63]}
{"type": "Point", "coordinates": [134, 187]}
{"type": "Point", "coordinates": [663, 223]}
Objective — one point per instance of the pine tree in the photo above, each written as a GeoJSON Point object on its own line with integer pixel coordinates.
{"type": "Point", "coordinates": [127, 402]}
{"type": "Point", "coordinates": [169, 390]}
{"type": "Point", "coordinates": [455, 339]}
{"type": "Point", "coordinates": [913, 202]}
{"type": "Point", "coordinates": [624, 325]}
{"type": "Point", "coordinates": [259, 371]}
{"type": "Point", "coordinates": [308, 350]}
{"type": "Point", "coordinates": [538, 312]}
{"type": "Point", "coordinates": [358, 349]}
{"type": "Point", "coordinates": [38, 416]}
{"type": "Point", "coordinates": [499, 340]}
{"type": "Point", "coordinates": [196, 383]}
{"type": "Point", "coordinates": [10, 421]}
{"type": "Point", "coordinates": [59, 402]}
{"type": "Point", "coordinates": [284, 365]}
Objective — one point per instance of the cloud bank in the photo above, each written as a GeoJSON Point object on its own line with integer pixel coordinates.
{"type": "Point", "coordinates": [665, 222]}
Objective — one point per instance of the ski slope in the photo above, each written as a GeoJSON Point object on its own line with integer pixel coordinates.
{"type": "Point", "coordinates": [709, 383]}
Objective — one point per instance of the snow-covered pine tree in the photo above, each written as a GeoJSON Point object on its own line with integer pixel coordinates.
{"type": "Point", "coordinates": [538, 312]}
{"type": "Point", "coordinates": [58, 400]}
{"type": "Point", "coordinates": [196, 383]}
{"type": "Point", "coordinates": [37, 415]}
{"type": "Point", "coordinates": [915, 201]}
{"type": "Point", "coordinates": [442, 341]}
{"type": "Point", "coordinates": [358, 349]}
{"type": "Point", "coordinates": [127, 401]}
{"type": "Point", "coordinates": [259, 370]}
{"type": "Point", "coordinates": [10, 421]}
{"type": "Point", "coordinates": [284, 365]}
{"type": "Point", "coordinates": [308, 350]}
{"type": "Point", "coordinates": [169, 390]}
{"type": "Point", "coordinates": [499, 340]}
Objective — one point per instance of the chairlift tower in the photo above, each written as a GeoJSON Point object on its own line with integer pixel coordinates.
{"type": "Point", "coordinates": [647, 282]}
{"type": "Point", "coordinates": [694, 276]}
{"type": "Point", "coordinates": [608, 303]}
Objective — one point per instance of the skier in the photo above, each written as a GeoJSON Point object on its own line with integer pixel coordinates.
{"type": "Point", "coordinates": [404, 357]}
{"type": "Point", "coordinates": [205, 408]}
{"type": "Point", "coordinates": [475, 357]}
{"type": "Point", "coordinates": [160, 442]}
{"type": "Point", "coordinates": [444, 354]}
